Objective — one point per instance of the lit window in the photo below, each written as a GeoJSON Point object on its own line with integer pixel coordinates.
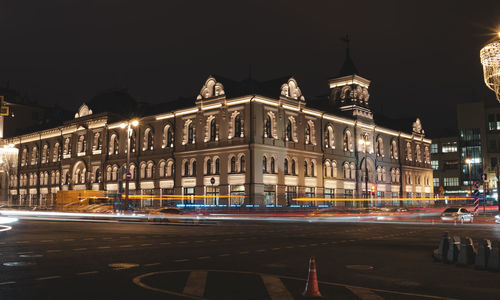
{"type": "Point", "coordinates": [435, 181]}
{"type": "Point", "coordinates": [450, 181]}
{"type": "Point", "coordinates": [435, 164]}
{"type": "Point", "coordinates": [449, 147]}
{"type": "Point", "coordinates": [434, 148]}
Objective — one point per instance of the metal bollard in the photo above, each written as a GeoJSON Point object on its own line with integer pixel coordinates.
{"type": "Point", "coordinates": [483, 253]}
{"type": "Point", "coordinates": [467, 253]}
{"type": "Point", "coordinates": [494, 258]}
{"type": "Point", "coordinates": [453, 250]}
{"type": "Point", "coordinates": [441, 252]}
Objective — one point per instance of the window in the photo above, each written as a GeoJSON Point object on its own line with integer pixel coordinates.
{"type": "Point", "coordinates": [348, 146]}
{"type": "Point", "coordinates": [267, 127]}
{"type": "Point", "coordinates": [313, 169]}
{"type": "Point", "coordinates": [450, 165]}
{"type": "Point", "coordinates": [270, 194]}
{"type": "Point", "coordinates": [329, 194]}
{"type": "Point", "coordinates": [133, 144]}
{"type": "Point", "coordinates": [208, 167]}
{"type": "Point", "coordinates": [264, 164]}
{"type": "Point", "coordinates": [213, 130]}
{"type": "Point", "coordinates": [97, 143]}
{"type": "Point", "coordinates": [434, 148]}
{"type": "Point", "coordinates": [188, 193]}
{"type": "Point", "coordinates": [491, 122]}
{"type": "Point", "coordinates": [237, 126]}
{"type": "Point", "coordinates": [193, 168]}
{"type": "Point", "coordinates": [289, 131]}
{"type": "Point", "coordinates": [435, 164]}
{"type": "Point", "coordinates": [451, 181]}
{"type": "Point", "coordinates": [237, 194]}
{"type": "Point", "coordinates": [113, 144]}
{"type": "Point", "coordinates": [305, 169]}
{"type": "Point", "coordinates": [308, 134]}
{"type": "Point", "coordinates": [212, 193]}
{"type": "Point", "coordinates": [81, 144]}
{"type": "Point", "coordinates": [168, 137]}
{"type": "Point", "coordinates": [493, 162]}
{"type": "Point", "coordinates": [186, 168]}
{"type": "Point", "coordinates": [285, 166]}
{"type": "Point", "coordinates": [148, 140]}
{"type": "Point", "coordinates": [217, 166]}
{"type": "Point", "coordinates": [309, 192]}
{"type": "Point", "coordinates": [449, 147]}
{"type": "Point", "coordinates": [329, 137]}
{"type": "Point", "coordinates": [394, 150]}
{"type": "Point", "coordinates": [190, 133]}
{"type": "Point", "coordinates": [380, 147]}
{"type": "Point", "coordinates": [273, 170]}
{"type": "Point", "coordinates": [290, 194]}
{"type": "Point", "coordinates": [498, 121]}
{"type": "Point", "coordinates": [293, 167]}
{"type": "Point", "coordinates": [233, 164]}
{"type": "Point", "coordinates": [243, 166]}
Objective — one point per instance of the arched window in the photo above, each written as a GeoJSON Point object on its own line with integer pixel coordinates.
{"type": "Point", "coordinates": [217, 166]}
{"type": "Point", "coordinates": [168, 137]}
{"type": "Point", "coordinates": [208, 167]}
{"type": "Point", "coordinates": [190, 133]}
{"type": "Point", "coordinates": [24, 156]}
{"type": "Point", "coordinates": [348, 146]}
{"type": "Point", "coordinates": [313, 169]}
{"type": "Point", "coordinates": [213, 130]}
{"type": "Point", "coordinates": [380, 147]}
{"type": "Point", "coordinates": [34, 155]}
{"type": "Point", "coordinates": [347, 175]}
{"type": "Point", "coordinates": [293, 167]}
{"type": "Point", "coordinates": [148, 140]}
{"type": "Point", "coordinates": [56, 154]}
{"type": "Point", "coordinates": [161, 169]}
{"type": "Point", "coordinates": [115, 173]}
{"type": "Point", "coordinates": [67, 147]}
{"type": "Point", "coordinates": [285, 166]}
{"type": "Point", "coordinates": [334, 169]}
{"type": "Point", "coordinates": [81, 144]}
{"type": "Point", "coordinates": [243, 167]}
{"type": "Point", "coordinates": [149, 170]}
{"type": "Point", "coordinates": [143, 170]}
{"type": "Point", "coordinates": [268, 131]}
{"type": "Point", "coordinates": [97, 143]}
{"type": "Point", "coordinates": [329, 137]}
{"type": "Point", "coordinates": [193, 168]}
{"type": "Point", "coordinates": [113, 144]}
{"type": "Point", "coordinates": [353, 171]}
{"type": "Point", "coordinates": [418, 153]}
{"type": "Point", "coordinates": [273, 170]}
{"type": "Point", "coordinates": [233, 164]}
{"type": "Point", "coordinates": [264, 164]}
{"type": "Point", "coordinates": [408, 151]}
{"type": "Point", "coordinates": [308, 134]}
{"type": "Point", "coordinates": [45, 153]}
{"type": "Point", "coordinates": [237, 126]}
{"type": "Point", "coordinates": [306, 173]}
{"type": "Point", "coordinates": [327, 168]}
{"type": "Point", "coordinates": [170, 168]}
{"type": "Point", "coordinates": [394, 149]}
{"type": "Point", "coordinates": [289, 130]}
{"type": "Point", "coordinates": [186, 168]}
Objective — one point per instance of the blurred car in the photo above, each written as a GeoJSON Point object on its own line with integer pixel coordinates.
{"type": "Point", "coordinates": [460, 214]}
{"type": "Point", "coordinates": [171, 215]}
{"type": "Point", "coordinates": [497, 219]}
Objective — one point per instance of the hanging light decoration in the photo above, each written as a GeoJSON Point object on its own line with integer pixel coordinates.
{"type": "Point", "coordinates": [490, 59]}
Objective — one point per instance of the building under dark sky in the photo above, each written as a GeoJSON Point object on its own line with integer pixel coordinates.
{"type": "Point", "coordinates": [422, 56]}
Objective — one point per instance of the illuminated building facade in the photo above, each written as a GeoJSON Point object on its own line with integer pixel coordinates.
{"type": "Point", "coordinates": [263, 141]}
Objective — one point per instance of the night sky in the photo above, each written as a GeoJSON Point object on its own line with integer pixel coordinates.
{"type": "Point", "coordinates": [422, 56]}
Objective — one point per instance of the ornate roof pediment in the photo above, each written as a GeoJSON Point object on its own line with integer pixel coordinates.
{"type": "Point", "coordinates": [291, 90]}
{"type": "Point", "coordinates": [211, 89]}
{"type": "Point", "coordinates": [417, 127]}
{"type": "Point", "coordinates": [83, 111]}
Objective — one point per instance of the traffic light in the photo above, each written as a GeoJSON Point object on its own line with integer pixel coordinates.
{"type": "Point", "coordinates": [373, 189]}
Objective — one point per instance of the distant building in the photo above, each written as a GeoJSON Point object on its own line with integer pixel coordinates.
{"type": "Point", "coordinates": [459, 161]}
{"type": "Point", "coordinates": [261, 140]}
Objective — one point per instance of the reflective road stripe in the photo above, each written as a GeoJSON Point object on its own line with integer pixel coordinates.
{"type": "Point", "coordinates": [275, 288]}
{"type": "Point", "coordinates": [195, 284]}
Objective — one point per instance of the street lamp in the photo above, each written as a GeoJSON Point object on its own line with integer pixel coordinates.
{"type": "Point", "coordinates": [468, 161]}
{"type": "Point", "coordinates": [365, 143]}
{"type": "Point", "coordinates": [129, 125]}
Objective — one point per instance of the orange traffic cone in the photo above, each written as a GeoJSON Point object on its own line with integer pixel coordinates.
{"type": "Point", "coordinates": [312, 290]}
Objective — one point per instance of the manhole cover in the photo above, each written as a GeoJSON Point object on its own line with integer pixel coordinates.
{"type": "Point", "coordinates": [17, 263]}
{"type": "Point", "coordinates": [30, 255]}
{"type": "Point", "coordinates": [359, 267]}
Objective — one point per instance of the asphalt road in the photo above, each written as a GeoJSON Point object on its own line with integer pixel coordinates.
{"type": "Point", "coordinates": [235, 260]}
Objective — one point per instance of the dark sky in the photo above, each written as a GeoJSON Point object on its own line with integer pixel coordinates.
{"type": "Point", "coordinates": [422, 56]}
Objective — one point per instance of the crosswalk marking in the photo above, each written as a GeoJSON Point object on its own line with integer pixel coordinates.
{"type": "Point", "coordinates": [195, 284]}
{"type": "Point", "coordinates": [275, 288]}
{"type": "Point", "coordinates": [364, 294]}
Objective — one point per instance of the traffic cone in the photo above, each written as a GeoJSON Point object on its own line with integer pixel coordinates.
{"type": "Point", "coordinates": [312, 290]}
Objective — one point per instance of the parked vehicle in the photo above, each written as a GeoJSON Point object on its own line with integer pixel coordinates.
{"type": "Point", "coordinates": [459, 214]}
{"type": "Point", "coordinates": [497, 219]}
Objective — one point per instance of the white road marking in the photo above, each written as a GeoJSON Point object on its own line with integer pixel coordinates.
{"type": "Point", "coordinates": [88, 239]}
{"type": "Point", "coordinates": [48, 277]}
{"type": "Point", "coordinates": [103, 247]}
{"type": "Point", "coordinates": [87, 273]}
{"type": "Point", "coordinates": [152, 264]}
{"type": "Point", "coordinates": [145, 245]}
{"type": "Point", "coordinates": [79, 249]}
{"type": "Point", "coordinates": [107, 238]}
{"type": "Point", "coordinates": [54, 250]}
{"type": "Point", "coordinates": [195, 284]}
{"type": "Point", "coordinates": [275, 288]}
{"type": "Point", "coordinates": [165, 243]}
{"type": "Point", "coordinates": [124, 237]}
{"type": "Point", "coordinates": [125, 246]}
{"type": "Point", "coordinates": [46, 241]}
{"type": "Point", "coordinates": [181, 260]}
{"type": "Point", "coordinates": [363, 293]}
{"type": "Point", "coordinates": [204, 257]}
{"type": "Point", "coordinates": [22, 242]}
{"type": "Point", "coordinates": [27, 252]}
{"type": "Point", "coordinates": [226, 254]}
{"type": "Point", "coordinates": [7, 282]}
{"type": "Point", "coordinates": [68, 240]}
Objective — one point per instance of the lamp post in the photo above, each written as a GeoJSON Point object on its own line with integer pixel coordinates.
{"type": "Point", "coordinates": [129, 125]}
{"type": "Point", "coordinates": [468, 161]}
{"type": "Point", "coordinates": [365, 143]}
